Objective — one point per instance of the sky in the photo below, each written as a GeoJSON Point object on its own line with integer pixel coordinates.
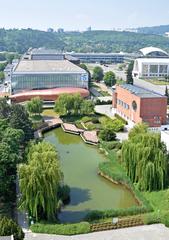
{"type": "Point", "coordinates": [78, 15]}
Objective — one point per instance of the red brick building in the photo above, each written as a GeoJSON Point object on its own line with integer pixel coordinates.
{"type": "Point", "coordinates": [140, 105]}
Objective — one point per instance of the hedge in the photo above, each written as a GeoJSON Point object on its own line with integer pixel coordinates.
{"type": "Point", "coordinates": [61, 229]}
{"type": "Point", "coordinates": [120, 118]}
{"type": "Point", "coordinates": [156, 217]}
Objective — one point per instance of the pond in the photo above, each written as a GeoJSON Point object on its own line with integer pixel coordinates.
{"type": "Point", "coordinates": [89, 191]}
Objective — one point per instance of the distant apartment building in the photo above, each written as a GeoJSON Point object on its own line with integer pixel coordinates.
{"type": "Point", "coordinates": [138, 105]}
{"type": "Point", "coordinates": [152, 63]}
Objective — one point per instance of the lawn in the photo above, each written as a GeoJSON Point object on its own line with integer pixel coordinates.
{"type": "Point", "coordinates": [157, 81]}
{"type": "Point", "coordinates": [104, 93]}
{"type": "Point", "coordinates": [49, 112]}
{"type": "Point", "coordinates": [120, 81]}
{"type": "Point", "coordinates": [159, 200]}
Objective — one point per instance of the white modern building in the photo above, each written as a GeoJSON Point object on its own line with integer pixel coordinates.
{"type": "Point", "coordinates": [153, 63]}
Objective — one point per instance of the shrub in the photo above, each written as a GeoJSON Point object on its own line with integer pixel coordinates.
{"type": "Point", "coordinates": [95, 215]}
{"type": "Point", "coordinates": [9, 227]}
{"type": "Point", "coordinates": [114, 145]}
{"type": "Point", "coordinates": [95, 120]}
{"type": "Point", "coordinates": [156, 217]}
{"type": "Point", "coordinates": [99, 102]}
{"type": "Point", "coordinates": [151, 218]}
{"type": "Point", "coordinates": [120, 118]}
{"type": "Point", "coordinates": [107, 134]}
{"type": "Point", "coordinates": [86, 119]}
{"type": "Point", "coordinates": [165, 218]}
{"type": "Point", "coordinates": [61, 229]}
{"type": "Point", "coordinates": [115, 124]}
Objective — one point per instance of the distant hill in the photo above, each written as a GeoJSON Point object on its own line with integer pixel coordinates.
{"type": "Point", "coordinates": [15, 40]}
{"type": "Point", "coordinates": [158, 30]}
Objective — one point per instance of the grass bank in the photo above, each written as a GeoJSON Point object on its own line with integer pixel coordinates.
{"type": "Point", "coordinates": [157, 81]}
{"type": "Point", "coordinates": [115, 170]}
{"type": "Point", "coordinates": [61, 229]}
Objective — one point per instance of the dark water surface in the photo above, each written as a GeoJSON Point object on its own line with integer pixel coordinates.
{"type": "Point", "coordinates": [79, 163]}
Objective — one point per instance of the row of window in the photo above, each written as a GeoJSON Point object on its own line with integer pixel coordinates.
{"type": "Point", "coordinates": [154, 69]}
{"type": "Point", "coordinates": [123, 104]}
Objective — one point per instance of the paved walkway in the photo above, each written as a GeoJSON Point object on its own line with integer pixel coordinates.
{"type": "Point", "coordinates": [150, 232]}
{"type": "Point", "coordinates": [104, 109]}
{"type": "Point", "coordinates": [104, 88]}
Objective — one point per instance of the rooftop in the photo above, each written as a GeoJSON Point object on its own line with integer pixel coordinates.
{"type": "Point", "coordinates": [39, 51]}
{"type": "Point", "coordinates": [154, 60]}
{"type": "Point", "coordinates": [148, 50]}
{"type": "Point", "coordinates": [47, 66]}
{"type": "Point", "coordinates": [141, 92]}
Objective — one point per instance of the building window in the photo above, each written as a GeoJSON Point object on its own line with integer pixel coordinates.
{"type": "Point", "coordinates": [154, 69]}
{"type": "Point", "coordinates": [163, 69]}
{"type": "Point", "coordinates": [157, 120]}
{"type": "Point", "coordinates": [145, 69]}
{"type": "Point", "coordinates": [134, 105]}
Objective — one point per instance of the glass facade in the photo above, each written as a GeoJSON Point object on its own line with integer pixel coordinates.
{"type": "Point", "coordinates": [22, 82]}
{"type": "Point", "coordinates": [154, 69]}
{"type": "Point", "coordinates": [163, 69]}
{"type": "Point", "coordinates": [145, 69]}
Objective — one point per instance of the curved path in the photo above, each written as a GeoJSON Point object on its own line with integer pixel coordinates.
{"type": "Point", "coordinates": [155, 232]}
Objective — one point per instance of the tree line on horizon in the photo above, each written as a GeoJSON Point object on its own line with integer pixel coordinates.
{"type": "Point", "coordinates": [15, 40]}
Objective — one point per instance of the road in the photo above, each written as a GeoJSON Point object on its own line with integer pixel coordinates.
{"type": "Point", "coordinates": [148, 232]}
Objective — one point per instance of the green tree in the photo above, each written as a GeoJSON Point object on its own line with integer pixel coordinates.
{"type": "Point", "coordinates": [64, 104]}
{"type": "Point", "coordinates": [87, 107]}
{"type": "Point", "coordinates": [14, 138]}
{"type": "Point", "coordinates": [140, 128]}
{"type": "Point", "coordinates": [4, 108]}
{"type": "Point", "coordinates": [83, 66]}
{"type": "Point", "coordinates": [77, 101]}
{"type": "Point", "coordinates": [72, 104]}
{"type": "Point", "coordinates": [35, 106]}
{"type": "Point", "coordinates": [19, 119]}
{"type": "Point", "coordinates": [2, 66]}
{"type": "Point", "coordinates": [107, 134]}
{"type": "Point", "coordinates": [129, 73]}
{"type": "Point", "coordinates": [145, 158]}
{"type": "Point", "coordinates": [2, 76]}
{"type": "Point", "coordinates": [8, 227]}
{"type": "Point", "coordinates": [98, 74]}
{"type": "Point", "coordinates": [109, 78]}
{"type": "Point", "coordinates": [167, 94]}
{"type": "Point", "coordinates": [39, 181]}
{"type": "Point", "coordinates": [8, 161]}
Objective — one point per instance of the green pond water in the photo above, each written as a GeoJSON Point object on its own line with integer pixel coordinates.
{"type": "Point", "coordinates": [79, 163]}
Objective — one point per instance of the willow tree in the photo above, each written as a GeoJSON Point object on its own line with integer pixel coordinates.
{"type": "Point", "coordinates": [39, 181]}
{"type": "Point", "coordinates": [145, 159]}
